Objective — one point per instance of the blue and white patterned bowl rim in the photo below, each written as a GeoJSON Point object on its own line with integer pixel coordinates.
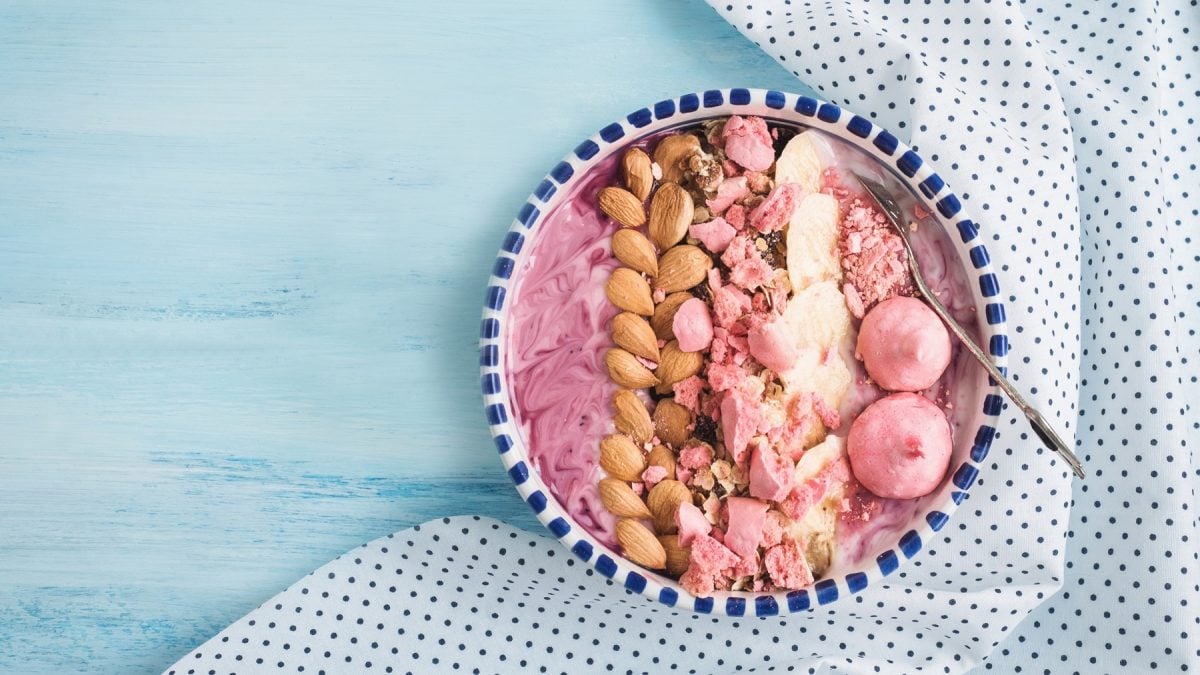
{"type": "Point", "coordinates": [779, 106]}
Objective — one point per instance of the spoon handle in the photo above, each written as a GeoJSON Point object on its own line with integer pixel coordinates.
{"type": "Point", "coordinates": [1040, 427]}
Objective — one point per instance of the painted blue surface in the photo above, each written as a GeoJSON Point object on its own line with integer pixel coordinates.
{"type": "Point", "coordinates": [243, 248]}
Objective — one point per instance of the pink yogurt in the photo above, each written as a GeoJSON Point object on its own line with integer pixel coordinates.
{"type": "Point", "coordinates": [558, 333]}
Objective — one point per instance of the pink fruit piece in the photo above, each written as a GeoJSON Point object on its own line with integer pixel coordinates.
{"type": "Point", "coordinates": [693, 326]}
{"type": "Point", "coordinates": [746, 519]}
{"type": "Point", "coordinates": [748, 142]}
{"type": "Point", "coordinates": [715, 234]}
{"type": "Point", "coordinates": [739, 421]}
{"type": "Point", "coordinates": [787, 566]}
{"type": "Point", "coordinates": [729, 191]}
{"type": "Point", "coordinates": [691, 523]}
{"type": "Point", "coordinates": [773, 345]}
{"type": "Point", "coordinates": [772, 475]}
{"type": "Point", "coordinates": [777, 209]}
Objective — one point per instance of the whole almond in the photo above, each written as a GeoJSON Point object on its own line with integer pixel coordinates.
{"type": "Point", "coordinates": [622, 206]}
{"type": "Point", "coordinates": [629, 291]}
{"type": "Point", "coordinates": [635, 250]}
{"type": "Point", "coordinates": [621, 458]}
{"type": "Point", "coordinates": [634, 334]}
{"type": "Point", "coordinates": [639, 545]}
{"type": "Point", "coordinates": [627, 371]}
{"type": "Point", "coordinates": [679, 558]}
{"type": "Point", "coordinates": [671, 154]}
{"type": "Point", "coordinates": [671, 422]}
{"type": "Point", "coordinates": [671, 213]}
{"type": "Point", "coordinates": [662, 456]}
{"type": "Point", "coordinates": [675, 365]}
{"type": "Point", "coordinates": [682, 267]}
{"type": "Point", "coordinates": [639, 175]}
{"type": "Point", "coordinates": [632, 418]}
{"type": "Point", "coordinates": [664, 498]}
{"type": "Point", "coordinates": [621, 500]}
{"type": "Point", "coordinates": [663, 319]}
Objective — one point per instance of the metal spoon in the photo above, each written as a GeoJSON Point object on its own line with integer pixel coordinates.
{"type": "Point", "coordinates": [1040, 426]}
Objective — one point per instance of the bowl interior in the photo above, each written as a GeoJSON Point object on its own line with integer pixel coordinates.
{"type": "Point", "coordinates": [948, 242]}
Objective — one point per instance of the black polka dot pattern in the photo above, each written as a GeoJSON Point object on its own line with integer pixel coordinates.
{"type": "Point", "coordinates": [1068, 128]}
{"type": "Point", "coordinates": [473, 595]}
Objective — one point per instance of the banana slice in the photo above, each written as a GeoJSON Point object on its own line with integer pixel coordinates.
{"type": "Point", "coordinates": [812, 242]}
{"type": "Point", "coordinates": [800, 163]}
{"type": "Point", "coordinates": [818, 316]}
{"type": "Point", "coordinates": [828, 378]}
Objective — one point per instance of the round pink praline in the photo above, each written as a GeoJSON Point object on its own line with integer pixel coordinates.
{"type": "Point", "coordinates": [900, 446]}
{"type": "Point", "coordinates": [903, 345]}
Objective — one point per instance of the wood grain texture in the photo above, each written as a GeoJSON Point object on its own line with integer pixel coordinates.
{"type": "Point", "coordinates": [242, 254]}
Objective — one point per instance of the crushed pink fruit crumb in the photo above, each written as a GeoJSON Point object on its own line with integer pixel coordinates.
{"type": "Point", "coordinates": [715, 234]}
{"type": "Point", "coordinates": [773, 345]}
{"type": "Point", "coordinates": [748, 142]}
{"type": "Point", "coordinates": [748, 270]}
{"type": "Point", "coordinates": [687, 392]}
{"type": "Point", "coordinates": [729, 191]}
{"type": "Point", "coordinates": [710, 560]}
{"type": "Point", "coordinates": [773, 528]}
{"type": "Point", "coordinates": [736, 216]}
{"type": "Point", "coordinates": [787, 566]}
{"type": "Point", "coordinates": [772, 475]}
{"type": "Point", "coordinates": [691, 523]}
{"type": "Point", "coordinates": [777, 209]}
{"type": "Point", "coordinates": [693, 326]}
{"type": "Point", "coordinates": [746, 518]}
{"type": "Point", "coordinates": [741, 416]}
{"type": "Point", "coordinates": [873, 258]}
{"type": "Point", "coordinates": [653, 475]}
{"type": "Point", "coordinates": [695, 456]}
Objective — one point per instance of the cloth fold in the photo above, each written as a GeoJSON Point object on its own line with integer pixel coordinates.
{"type": "Point", "coordinates": [1069, 133]}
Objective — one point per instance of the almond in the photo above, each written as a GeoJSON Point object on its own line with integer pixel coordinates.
{"type": "Point", "coordinates": [671, 213]}
{"type": "Point", "coordinates": [629, 291]}
{"type": "Point", "coordinates": [620, 499]}
{"type": "Point", "coordinates": [662, 456]}
{"type": "Point", "coordinates": [635, 250]}
{"type": "Point", "coordinates": [664, 498]}
{"type": "Point", "coordinates": [634, 334]}
{"type": "Point", "coordinates": [675, 365]}
{"type": "Point", "coordinates": [622, 206]}
{"type": "Point", "coordinates": [682, 267]}
{"type": "Point", "coordinates": [679, 558]}
{"type": "Point", "coordinates": [632, 418]}
{"type": "Point", "coordinates": [671, 422]}
{"type": "Point", "coordinates": [664, 315]}
{"type": "Point", "coordinates": [639, 174]}
{"type": "Point", "coordinates": [627, 371]}
{"type": "Point", "coordinates": [671, 154]}
{"type": "Point", "coordinates": [621, 458]}
{"type": "Point", "coordinates": [639, 545]}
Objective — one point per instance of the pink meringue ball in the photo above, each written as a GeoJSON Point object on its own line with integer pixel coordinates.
{"type": "Point", "coordinates": [904, 345]}
{"type": "Point", "coordinates": [900, 446]}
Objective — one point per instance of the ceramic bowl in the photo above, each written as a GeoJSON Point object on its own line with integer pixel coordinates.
{"type": "Point", "coordinates": [911, 171]}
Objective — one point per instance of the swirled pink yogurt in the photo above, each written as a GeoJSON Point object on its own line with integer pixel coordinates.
{"type": "Point", "coordinates": [557, 337]}
{"type": "Point", "coordinates": [558, 333]}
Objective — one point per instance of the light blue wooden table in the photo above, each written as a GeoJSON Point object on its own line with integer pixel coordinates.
{"type": "Point", "coordinates": [242, 254]}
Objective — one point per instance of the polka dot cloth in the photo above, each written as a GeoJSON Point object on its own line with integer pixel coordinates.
{"type": "Point", "coordinates": [1069, 130]}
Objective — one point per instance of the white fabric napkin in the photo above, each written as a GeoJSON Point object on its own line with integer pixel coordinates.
{"type": "Point", "coordinates": [1069, 131]}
